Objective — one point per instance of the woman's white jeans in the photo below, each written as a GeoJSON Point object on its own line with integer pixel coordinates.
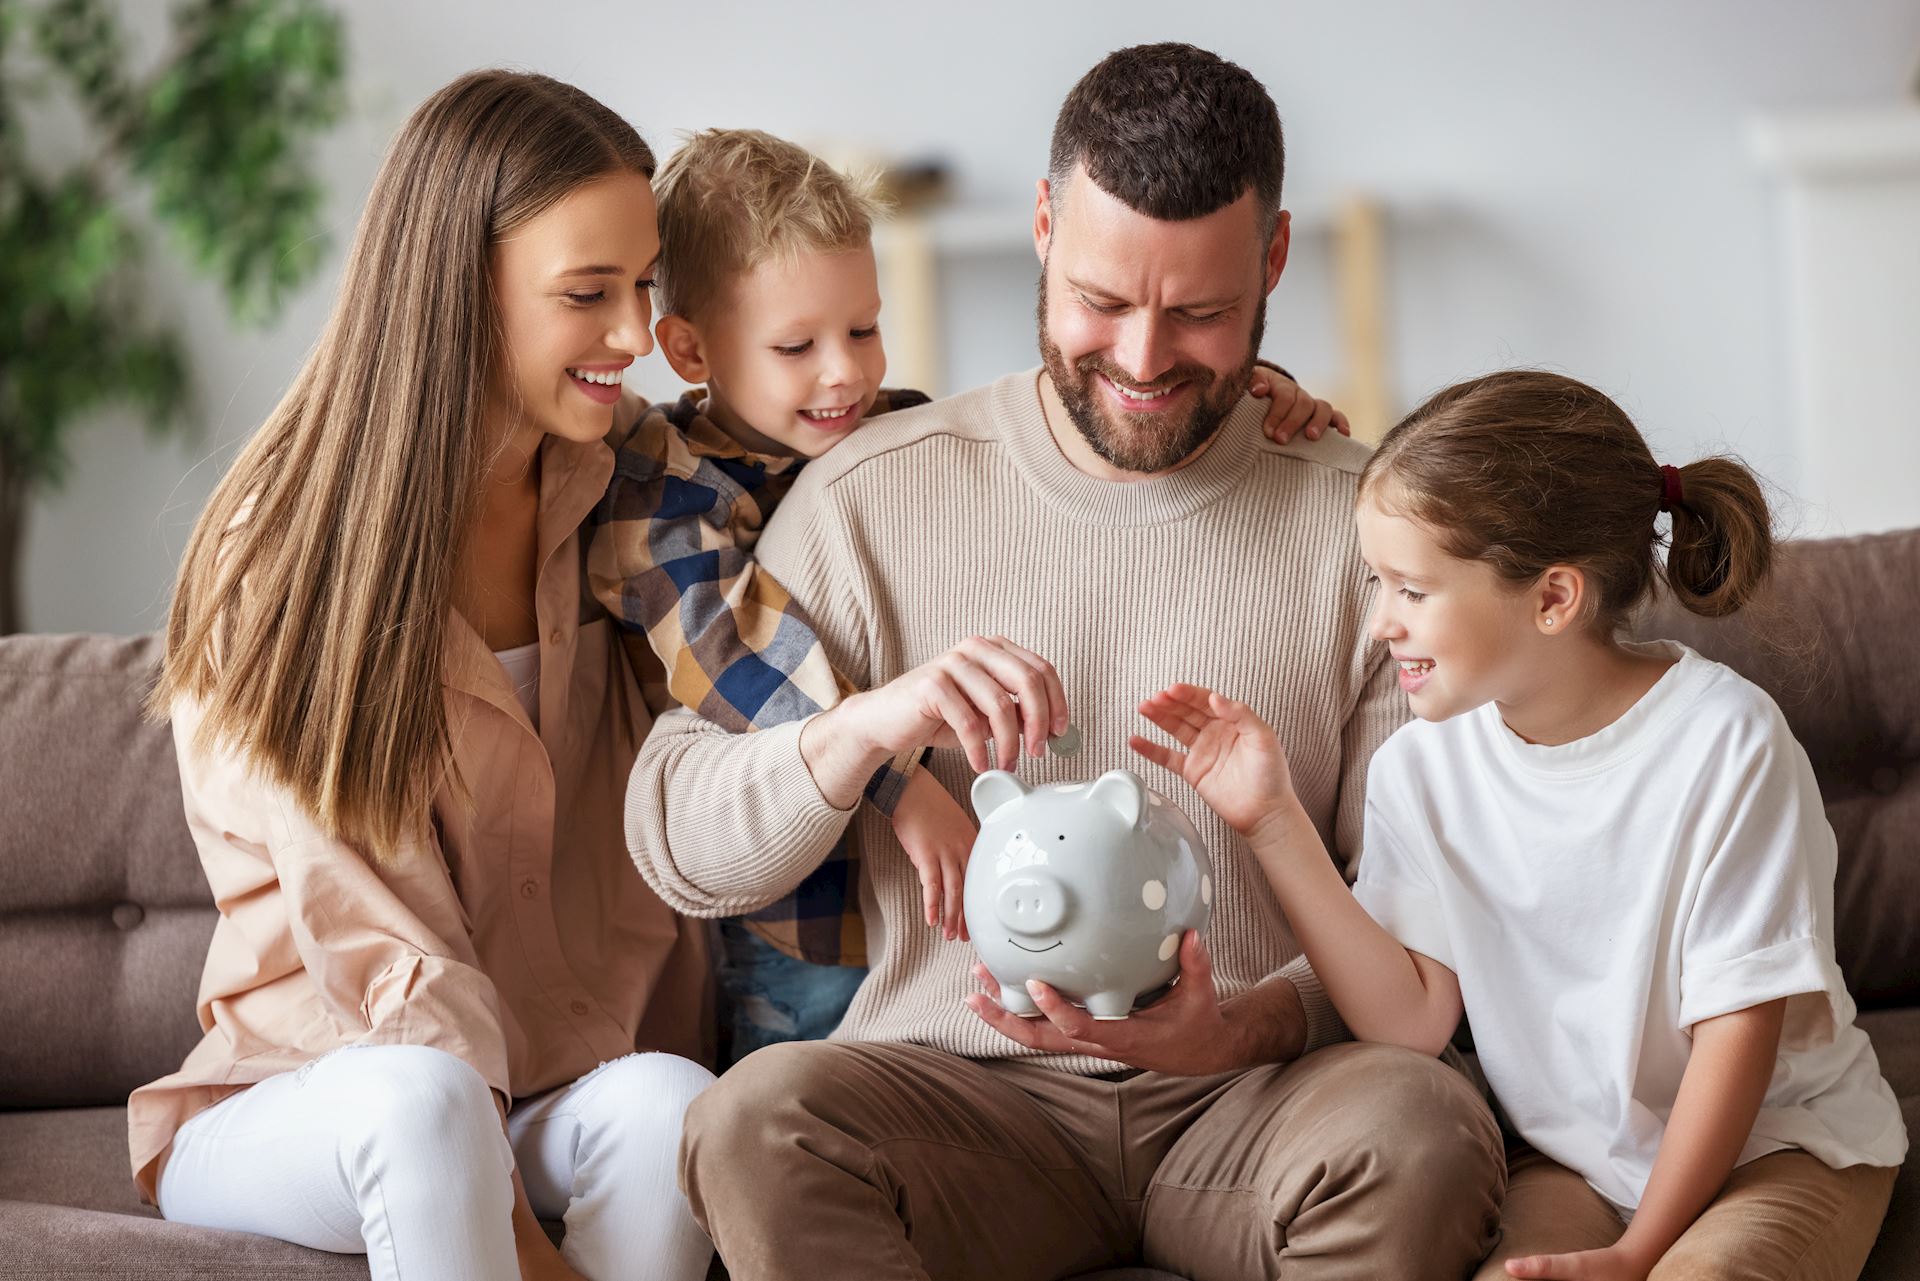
{"type": "Point", "coordinates": [397, 1151]}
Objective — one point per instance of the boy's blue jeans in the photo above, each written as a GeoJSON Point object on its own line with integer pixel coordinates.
{"type": "Point", "coordinates": [767, 996]}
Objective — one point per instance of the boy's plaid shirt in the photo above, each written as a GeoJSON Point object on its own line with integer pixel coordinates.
{"type": "Point", "coordinates": [670, 558]}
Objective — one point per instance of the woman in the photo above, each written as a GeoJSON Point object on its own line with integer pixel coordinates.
{"type": "Point", "coordinates": [440, 1003]}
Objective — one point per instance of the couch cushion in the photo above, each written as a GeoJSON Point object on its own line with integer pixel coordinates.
{"type": "Point", "coordinates": [55, 1241]}
{"type": "Point", "coordinates": [75, 1157]}
{"type": "Point", "coordinates": [1834, 646]}
{"type": "Point", "coordinates": [67, 1201]}
{"type": "Point", "coordinates": [104, 913]}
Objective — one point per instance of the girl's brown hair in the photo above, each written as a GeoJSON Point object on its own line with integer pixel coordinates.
{"type": "Point", "coordinates": [1526, 469]}
{"type": "Point", "coordinates": [309, 613]}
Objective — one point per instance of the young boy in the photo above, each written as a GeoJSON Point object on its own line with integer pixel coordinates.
{"type": "Point", "coordinates": [770, 305]}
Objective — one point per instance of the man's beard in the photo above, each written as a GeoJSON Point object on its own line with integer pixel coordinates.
{"type": "Point", "coordinates": [1146, 442]}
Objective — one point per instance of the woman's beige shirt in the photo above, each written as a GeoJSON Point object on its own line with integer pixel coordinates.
{"type": "Point", "coordinates": [518, 937]}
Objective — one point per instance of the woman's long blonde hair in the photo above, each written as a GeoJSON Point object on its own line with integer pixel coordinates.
{"type": "Point", "coordinates": [311, 604]}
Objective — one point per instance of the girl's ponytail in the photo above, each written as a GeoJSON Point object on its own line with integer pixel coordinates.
{"type": "Point", "coordinates": [1526, 469]}
{"type": "Point", "coordinates": [1721, 548]}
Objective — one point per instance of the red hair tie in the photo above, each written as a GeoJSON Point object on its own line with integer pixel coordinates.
{"type": "Point", "coordinates": [1671, 495]}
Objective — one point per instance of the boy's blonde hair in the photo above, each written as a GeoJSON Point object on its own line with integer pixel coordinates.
{"type": "Point", "coordinates": [732, 199]}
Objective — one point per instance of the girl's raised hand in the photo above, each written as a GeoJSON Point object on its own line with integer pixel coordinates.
{"type": "Point", "coordinates": [1231, 757]}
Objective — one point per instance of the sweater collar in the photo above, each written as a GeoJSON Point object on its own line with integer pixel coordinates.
{"type": "Point", "coordinates": [1022, 423]}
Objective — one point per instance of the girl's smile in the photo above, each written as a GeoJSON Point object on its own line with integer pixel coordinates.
{"type": "Point", "coordinates": [1413, 673]}
{"type": "Point", "coordinates": [1460, 634]}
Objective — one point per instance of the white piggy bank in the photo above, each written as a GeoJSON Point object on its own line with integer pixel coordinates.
{"type": "Point", "coordinates": [1087, 887]}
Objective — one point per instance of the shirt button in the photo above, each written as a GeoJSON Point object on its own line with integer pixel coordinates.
{"type": "Point", "coordinates": [529, 888]}
{"type": "Point", "coordinates": [581, 1007]}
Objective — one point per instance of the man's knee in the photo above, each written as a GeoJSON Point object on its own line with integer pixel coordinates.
{"type": "Point", "coordinates": [761, 1107]}
{"type": "Point", "coordinates": [1406, 1105]}
{"type": "Point", "coordinates": [1418, 1134]}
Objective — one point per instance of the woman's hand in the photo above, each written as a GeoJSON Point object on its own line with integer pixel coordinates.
{"type": "Point", "coordinates": [1293, 411]}
{"type": "Point", "coordinates": [539, 1259]}
{"type": "Point", "coordinates": [1232, 758]}
{"type": "Point", "coordinates": [938, 838]}
{"type": "Point", "coordinates": [543, 1264]}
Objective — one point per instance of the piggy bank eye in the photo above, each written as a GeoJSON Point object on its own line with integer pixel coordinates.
{"type": "Point", "coordinates": [1061, 837]}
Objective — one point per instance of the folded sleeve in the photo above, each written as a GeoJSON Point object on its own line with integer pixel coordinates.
{"type": "Point", "coordinates": [721, 825]}
{"type": "Point", "coordinates": [384, 974]}
{"type": "Point", "coordinates": [1759, 927]}
{"type": "Point", "coordinates": [386, 954]}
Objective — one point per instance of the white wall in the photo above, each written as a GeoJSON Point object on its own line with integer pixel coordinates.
{"type": "Point", "coordinates": [1569, 185]}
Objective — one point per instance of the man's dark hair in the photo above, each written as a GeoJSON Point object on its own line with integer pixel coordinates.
{"type": "Point", "coordinates": [1172, 132]}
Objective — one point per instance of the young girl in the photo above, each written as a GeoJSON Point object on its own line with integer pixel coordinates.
{"type": "Point", "coordinates": [440, 1003]}
{"type": "Point", "coordinates": [1613, 856]}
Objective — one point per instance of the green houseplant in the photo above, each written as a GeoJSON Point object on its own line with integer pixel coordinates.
{"type": "Point", "coordinates": [212, 140]}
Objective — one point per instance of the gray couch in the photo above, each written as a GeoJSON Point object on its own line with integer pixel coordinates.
{"type": "Point", "coordinates": [104, 917]}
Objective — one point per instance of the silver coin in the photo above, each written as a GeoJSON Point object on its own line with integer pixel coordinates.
{"type": "Point", "coordinates": [1067, 744]}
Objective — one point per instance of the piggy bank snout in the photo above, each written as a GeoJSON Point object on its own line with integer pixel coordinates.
{"type": "Point", "coordinates": [1032, 904]}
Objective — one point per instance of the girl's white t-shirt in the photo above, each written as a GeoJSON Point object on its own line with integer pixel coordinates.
{"type": "Point", "coordinates": [1599, 898]}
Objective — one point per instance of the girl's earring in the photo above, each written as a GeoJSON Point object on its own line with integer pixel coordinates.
{"type": "Point", "coordinates": [1549, 622]}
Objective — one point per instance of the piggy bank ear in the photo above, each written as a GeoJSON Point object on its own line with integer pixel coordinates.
{"type": "Point", "coordinates": [995, 790]}
{"type": "Point", "coordinates": [1121, 792]}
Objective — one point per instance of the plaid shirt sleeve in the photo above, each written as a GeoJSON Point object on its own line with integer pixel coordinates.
{"type": "Point", "coordinates": [670, 558]}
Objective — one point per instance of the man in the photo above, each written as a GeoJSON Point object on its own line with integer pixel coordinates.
{"type": "Point", "coordinates": [1121, 516]}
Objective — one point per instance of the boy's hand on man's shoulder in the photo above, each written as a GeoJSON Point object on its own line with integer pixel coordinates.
{"type": "Point", "coordinates": [1291, 409]}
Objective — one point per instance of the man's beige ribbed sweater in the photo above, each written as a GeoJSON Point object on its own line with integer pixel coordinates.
{"type": "Point", "coordinates": [1240, 572]}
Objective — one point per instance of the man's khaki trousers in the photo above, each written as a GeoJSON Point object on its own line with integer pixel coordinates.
{"type": "Point", "coordinates": [826, 1159]}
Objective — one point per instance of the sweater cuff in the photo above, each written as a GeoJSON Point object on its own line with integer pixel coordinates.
{"type": "Point", "coordinates": [1324, 1026]}
{"type": "Point", "coordinates": [747, 821]}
